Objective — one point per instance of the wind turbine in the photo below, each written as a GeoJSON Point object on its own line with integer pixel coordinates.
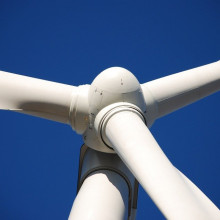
{"type": "Point", "coordinates": [114, 115]}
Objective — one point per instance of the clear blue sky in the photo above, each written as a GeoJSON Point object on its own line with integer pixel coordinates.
{"type": "Point", "coordinates": [71, 42]}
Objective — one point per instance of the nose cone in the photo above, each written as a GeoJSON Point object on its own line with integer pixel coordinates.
{"type": "Point", "coordinates": [117, 86]}
{"type": "Point", "coordinates": [113, 85]}
{"type": "Point", "coordinates": [116, 80]}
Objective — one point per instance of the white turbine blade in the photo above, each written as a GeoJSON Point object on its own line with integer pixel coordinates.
{"type": "Point", "coordinates": [36, 97]}
{"type": "Point", "coordinates": [136, 146]}
{"type": "Point", "coordinates": [170, 93]}
{"type": "Point", "coordinates": [199, 194]}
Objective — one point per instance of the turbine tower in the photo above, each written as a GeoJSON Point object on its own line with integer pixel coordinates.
{"type": "Point", "coordinates": [114, 115]}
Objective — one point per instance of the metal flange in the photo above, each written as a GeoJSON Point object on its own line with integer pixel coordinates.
{"type": "Point", "coordinates": [105, 114]}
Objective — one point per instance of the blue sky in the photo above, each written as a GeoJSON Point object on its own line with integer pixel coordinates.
{"type": "Point", "coordinates": [70, 42]}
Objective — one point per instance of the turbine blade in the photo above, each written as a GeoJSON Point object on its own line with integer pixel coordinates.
{"type": "Point", "coordinates": [170, 93]}
{"type": "Point", "coordinates": [136, 146]}
{"type": "Point", "coordinates": [203, 198]}
{"type": "Point", "coordinates": [50, 100]}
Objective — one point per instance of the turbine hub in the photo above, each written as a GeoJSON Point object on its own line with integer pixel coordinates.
{"type": "Point", "coordinates": [116, 86]}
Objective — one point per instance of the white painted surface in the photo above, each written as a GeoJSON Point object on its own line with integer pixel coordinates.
{"type": "Point", "coordinates": [103, 196]}
{"type": "Point", "coordinates": [139, 150]}
{"type": "Point", "coordinates": [36, 97]}
{"type": "Point", "coordinates": [113, 85]}
{"type": "Point", "coordinates": [172, 92]}
{"type": "Point", "coordinates": [176, 197]}
{"type": "Point", "coordinates": [213, 210]}
{"type": "Point", "coordinates": [50, 100]}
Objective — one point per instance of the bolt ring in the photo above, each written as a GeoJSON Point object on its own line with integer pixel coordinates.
{"type": "Point", "coordinates": [112, 112]}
